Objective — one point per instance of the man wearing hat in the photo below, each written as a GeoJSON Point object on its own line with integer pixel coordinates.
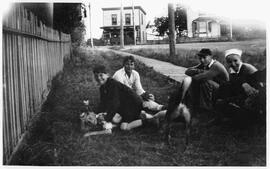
{"type": "Point", "coordinates": [203, 80]}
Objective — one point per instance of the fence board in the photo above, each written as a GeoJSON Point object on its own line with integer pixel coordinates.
{"type": "Point", "coordinates": [32, 55]}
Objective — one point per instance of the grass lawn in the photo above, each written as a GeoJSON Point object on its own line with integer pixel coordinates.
{"type": "Point", "coordinates": [55, 137]}
{"type": "Point", "coordinates": [253, 51]}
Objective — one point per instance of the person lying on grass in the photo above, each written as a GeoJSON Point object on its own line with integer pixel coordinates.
{"type": "Point", "coordinates": [131, 78]}
{"type": "Point", "coordinates": [203, 80]}
{"type": "Point", "coordinates": [244, 89]}
{"type": "Point", "coordinates": [120, 103]}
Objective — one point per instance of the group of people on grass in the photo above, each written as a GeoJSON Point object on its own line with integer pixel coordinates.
{"type": "Point", "coordinates": [209, 85]}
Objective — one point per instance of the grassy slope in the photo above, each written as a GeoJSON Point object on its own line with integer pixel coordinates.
{"type": "Point", "coordinates": [253, 51]}
{"type": "Point", "coordinates": [56, 139]}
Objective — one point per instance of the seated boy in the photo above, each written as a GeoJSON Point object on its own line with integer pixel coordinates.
{"type": "Point", "coordinates": [120, 102]}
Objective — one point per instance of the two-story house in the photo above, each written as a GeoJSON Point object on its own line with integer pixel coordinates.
{"type": "Point", "coordinates": [111, 25]}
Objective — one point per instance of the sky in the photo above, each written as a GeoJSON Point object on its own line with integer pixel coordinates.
{"type": "Point", "coordinates": [235, 9]}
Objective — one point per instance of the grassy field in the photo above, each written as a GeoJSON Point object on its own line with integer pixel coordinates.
{"type": "Point", "coordinates": [55, 137]}
{"type": "Point", "coordinates": [253, 52]}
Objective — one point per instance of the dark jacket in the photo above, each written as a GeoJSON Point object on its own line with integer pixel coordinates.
{"type": "Point", "coordinates": [245, 71]}
{"type": "Point", "coordinates": [115, 97]}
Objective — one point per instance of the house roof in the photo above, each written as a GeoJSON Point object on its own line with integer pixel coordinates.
{"type": "Point", "coordinates": [127, 7]}
{"type": "Point", "coordinates": [204, 19]}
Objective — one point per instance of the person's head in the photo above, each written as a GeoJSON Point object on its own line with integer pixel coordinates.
{"type": "Point", "coordinates": [233, 58]}
{"type": "Point", "coordinates": [205, 56]}
{"type": "Point", "coordinates": [101, 74]}
{"type": "Point", "coordinates": [129, 64]}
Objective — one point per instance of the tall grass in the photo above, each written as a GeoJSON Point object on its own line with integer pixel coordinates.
{"type": "Point", "coordinates": [56, 139]}
{"type": "Point", "coordinates": [254, 54]}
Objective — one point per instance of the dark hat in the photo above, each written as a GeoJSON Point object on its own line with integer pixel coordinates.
{"type": "Point", "coordinates": [99, 69]}
{"type": "Point", "coordinates": [204, 52]}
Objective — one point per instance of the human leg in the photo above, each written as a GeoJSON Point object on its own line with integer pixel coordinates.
{"type": "Point", "coordinates": [152, 105]}
{"type": "Point", "coordinates": [206, 95]}
{"type": "Point", "coordinates": [185, 86]}
{"type": "Point", "coordinates": [131, 125]}
{"type": "Point", "coordinates": [160, 114]}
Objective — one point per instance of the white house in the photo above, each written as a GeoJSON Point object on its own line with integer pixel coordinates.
{"type": "Point", "coordinates": [111, 25]}
{"type": "Point", "coordinates": [205, 25]}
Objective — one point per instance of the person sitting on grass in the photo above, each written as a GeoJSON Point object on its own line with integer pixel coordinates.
{"type": "Point", "coordinates": [131, 78]}
{"type": "Point", "coordinates": [203, 80]}
{"type": "Point", "coordinates": [244, 85]}
{"type": "Point", "coordinates": [121, 104]}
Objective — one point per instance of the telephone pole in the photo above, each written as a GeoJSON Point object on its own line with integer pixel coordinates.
{"type": "Point", "coordinates": [171, 30]}
{"type": "Point", "coordinates": [91, 37]}
{"type": "Point", "coordinates": [231, 35]}
{"type": "Point", "coordinates": [121, 26]}
{"type": "Point", "coordinates": [134, 26]}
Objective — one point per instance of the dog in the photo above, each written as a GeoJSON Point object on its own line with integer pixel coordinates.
{"type": "Point", "coordinates": [177, 111]}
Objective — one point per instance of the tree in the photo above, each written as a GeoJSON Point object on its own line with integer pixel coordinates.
{"type": "Point", "coordinates": [67, 17]}
{"type": "Point", "coordinates": [162, 23]}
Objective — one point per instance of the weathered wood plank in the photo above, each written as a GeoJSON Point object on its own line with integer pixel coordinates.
{"type": "Point", "coordinates": [29, 63]}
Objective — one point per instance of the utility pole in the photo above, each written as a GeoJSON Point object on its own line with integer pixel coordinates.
{"type": "Point", "coordinates": [231, 36]}
{"type": "Point", "coordinates": [171, 30]}
{"type": "Point", "coordinates": [90, 18]}
{"type": "Point", "coordinates": [121, 26]}
{"type": "Point", "coordinates": [134, 26]}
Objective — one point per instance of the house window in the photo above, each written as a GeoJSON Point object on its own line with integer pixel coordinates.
{"type": "Point", "coordinates": [209, 26]}
{"type": "Point", "coordinates": [127, 18]}
{"type": "Point", "coordinates": [142, 18]}
{"type": "Point", "coordinates": [194, 27]}
{"type": "Point", "coordinates": [114, 19]}
{"type": "Point", "coordinates": [202, 27]}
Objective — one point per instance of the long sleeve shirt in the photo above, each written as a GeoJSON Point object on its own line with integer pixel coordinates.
{"type": "Point", "coordinates": [132, 82]}
{"type": "Point", "coordinates": [214, 71]}
{"type": "Point", "coordinates": [115, 97]}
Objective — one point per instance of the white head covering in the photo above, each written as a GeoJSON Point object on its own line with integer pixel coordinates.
{"type": "Point", "coordinates": [233, 51]}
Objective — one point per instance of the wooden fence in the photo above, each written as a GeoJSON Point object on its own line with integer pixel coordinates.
{"type": "Point", "coordinates": [32, 54]}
